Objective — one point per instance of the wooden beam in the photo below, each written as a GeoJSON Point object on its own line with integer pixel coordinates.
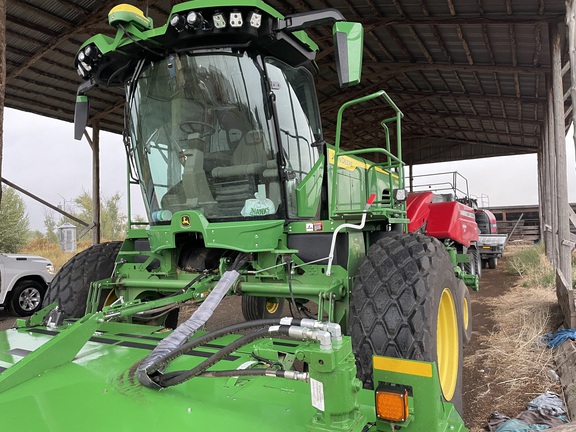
{"type": "Point", "coordinates": [2, 79]}
{"type": "Point", "coordinates": [77, 28]}
{"type": "Point", "coordinates": [571, 21]}
{"type": "Point", "coordinates": [550, 156]}
{"type": "Point", "coordinates": [95, 145]}
{"type": "Point", "coordinates": [523, 149]}
{"type": "Point", "coordinates": [44, 202]}
{"type": "Point", "coordinates": [564, 264]}
{"type": "Point", "coordinates": [443, 116]}
{"type": "Point", "coordinates": [335, 102]}
{"type": "Point", "coordinates": [396, 68]}
{"type": "Point", "coordinates": [376, 22]}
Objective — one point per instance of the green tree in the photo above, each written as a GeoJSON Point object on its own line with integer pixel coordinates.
{"type": "Point", "coordinates": [51, 226]}
{"type": "Point", "coordinates": [113, 221]}
{"type": "Point", "coordinates": [14, 223]}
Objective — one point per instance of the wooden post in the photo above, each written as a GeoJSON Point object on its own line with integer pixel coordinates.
{"type": "Point", "coordinates": [571, 23]}
{"type": "Point", "coordinates": [96, 236]}
{"type": "Point", "coordinates": [550, 187]}
{"type": "Point", "coordinates": [564, 289]}
{"type": "Point", "coordinates": [543, 199]}
{"type": "Point", "coordinates": [2, 79]}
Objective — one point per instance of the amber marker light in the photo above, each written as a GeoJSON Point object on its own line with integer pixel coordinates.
{"type": "Point", "coordinates": [392, 404]}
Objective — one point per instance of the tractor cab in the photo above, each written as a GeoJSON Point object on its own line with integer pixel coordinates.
{"type": "Point", "coordinates": [230, 134]}
{"type": "Point", "coordinates": [221, 110]}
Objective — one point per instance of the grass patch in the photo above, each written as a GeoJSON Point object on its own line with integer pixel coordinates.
{"type": "Point", "coordinates": [52, 251]}
{"type": "Point", "coordinates": [531, 264]}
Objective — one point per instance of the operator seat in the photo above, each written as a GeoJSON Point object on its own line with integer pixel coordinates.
{"type": "Point", "coordinates": [237, 183]}
{"type": "Point", "coordinates": [249, 157]}
{"type": "Point", "coordinates": [194, 178]}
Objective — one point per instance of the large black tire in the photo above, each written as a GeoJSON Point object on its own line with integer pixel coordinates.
{"type": "Point", "coordinates": [473, 267]}
{"type": "Point", "coordinates": [477, 262]}
{"type": "Point", "coordinates": [26, 297]}
{"type": "Point", "coordinates": [404, 300]}
{"type": "Point", "coordinates": [466, 316]}
{"type": "Point", "coordinates": [255, 308]}
{"type": "Point", "coordinates": [492, 262]}
{"type": "Point", "coordinates": [71, 284]}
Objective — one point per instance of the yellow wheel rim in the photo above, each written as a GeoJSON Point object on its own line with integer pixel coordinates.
{"type": "Point", "coordinates": [465, 317]}
{"type": "Point", "coordinates": [447, 344]}
{"type": "Point", "coordinates": [272, 305]}
{"type": "Point", "coordinates": [110, 298]}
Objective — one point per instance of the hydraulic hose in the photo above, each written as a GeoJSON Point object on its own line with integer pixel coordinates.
{"type": "Point", "coordinates": [162, 362]}
{"type": "Point", "coordinates": [179, 336]}
{"type": "Point", "coordinates": [290, 330]}
{"type": "Point", "coordinates": [294, 375]}
{"type": "Point", "coordinates": [178, 377]}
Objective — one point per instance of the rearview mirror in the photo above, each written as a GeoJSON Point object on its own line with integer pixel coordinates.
{"type": "Point", "coordinates": [81, 112]}
{"type": "Point", "coordinates": [348, 47]}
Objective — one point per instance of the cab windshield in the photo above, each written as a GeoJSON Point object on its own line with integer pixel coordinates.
{"type": "Point", "coordinates": [204, 138]}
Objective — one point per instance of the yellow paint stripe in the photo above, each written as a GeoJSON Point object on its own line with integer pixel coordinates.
{"type": "Point", "coordinates": [350, 164]}
{"type": "Point", "coordinates": [409, 367]}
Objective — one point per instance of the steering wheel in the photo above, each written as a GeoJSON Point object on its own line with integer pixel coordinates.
{"type": "Point", "coordinates": [192, 126]}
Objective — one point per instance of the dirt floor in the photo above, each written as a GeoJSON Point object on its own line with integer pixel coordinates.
{"type": "Point", "coordinates": [489, 386]}
{"type": "Point", "coordinates": [477, 374]}
{"type": "Point", "coordinates": [485, 389]}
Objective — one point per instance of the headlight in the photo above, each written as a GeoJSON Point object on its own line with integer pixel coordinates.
{"type": "Point", "coordinates": [219, 20]}
{"type": "Point", "coordinates": [236, 19]}
{"type": "Point", "coordinates": [255, 19]}
{"type": "Point", "coordinates": [399, 195]}
{"type": "Point", "coordinates": [50, 268]}
{"type": "Point", "coordinates": [194, 20]}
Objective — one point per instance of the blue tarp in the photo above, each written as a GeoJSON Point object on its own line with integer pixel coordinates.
{"type": "Point", "coordinates": [554, 340]}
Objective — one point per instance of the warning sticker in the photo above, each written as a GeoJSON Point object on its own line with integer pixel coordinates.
{"type": "Point", "coordinates": [315, 226]}
{"type": "Point", "coordinates": [317, 392]}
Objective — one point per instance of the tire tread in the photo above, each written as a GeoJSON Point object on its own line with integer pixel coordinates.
{"type": "Point", "coordinates": [71, 284]}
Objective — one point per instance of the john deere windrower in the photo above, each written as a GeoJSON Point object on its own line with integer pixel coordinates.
{"type": "Point", "coordinates": [244, 197]}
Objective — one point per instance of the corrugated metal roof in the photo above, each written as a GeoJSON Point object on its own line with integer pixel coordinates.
{"type": "Point", "coordinates": [469, 75]}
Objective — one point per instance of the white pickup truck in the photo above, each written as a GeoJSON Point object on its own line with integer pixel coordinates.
{"type": "Point", "coordinates": [23, 282]}
{"type": "Point", "coordinates": [490, 244]}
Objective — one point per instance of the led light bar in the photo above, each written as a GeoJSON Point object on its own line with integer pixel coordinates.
{"type": "Point", "coordinates": [236, 20]}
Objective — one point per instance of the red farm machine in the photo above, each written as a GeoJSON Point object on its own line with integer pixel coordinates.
{"type": "Point", "coordinates": [244, 197]}
{"type": "Point", "coordinates": [440, 206]}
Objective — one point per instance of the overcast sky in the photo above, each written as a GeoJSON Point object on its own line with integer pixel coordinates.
{"type": "Point", "coordinates": [41, 156]}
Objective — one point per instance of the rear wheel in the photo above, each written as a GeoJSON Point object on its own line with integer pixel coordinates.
{"type": "Point", "coordinates": [492, 262]}
{"type": "Point", "coordinates": [255, 308]}
{"type": "Point", "coordinates": [405, 304]}
{"type": "Point", "coordinates": [473, 267]}
{"type": "Point", "coordinates": [477, 262]}
{"type": "Point", "coordinates": [26, 297]}
{"type": "Point", "coordinates": [466, 308]}
{"type": "Point", "coordinates": [71, 284]}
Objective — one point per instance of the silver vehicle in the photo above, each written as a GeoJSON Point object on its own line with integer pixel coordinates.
{"type": "Point", "coordinates": [23, 282]}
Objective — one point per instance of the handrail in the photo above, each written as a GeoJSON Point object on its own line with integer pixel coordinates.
{"type": "Point", "coordinates": [386, 151]}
